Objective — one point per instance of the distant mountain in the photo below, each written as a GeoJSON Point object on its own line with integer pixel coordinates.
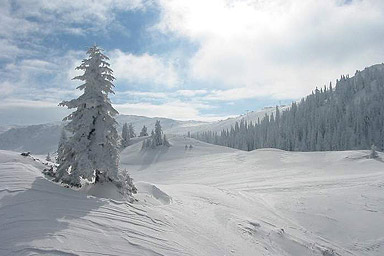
{"type": "Point", "coordinates": [4, 128]}
{"type": "Point", "coordinates": [39, 139]}
{"type": "Point", "coordinates": [168, 125]}
{"type": "Point", "coordinates": [43, 138]}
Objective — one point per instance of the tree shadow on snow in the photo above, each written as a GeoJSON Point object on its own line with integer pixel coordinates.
{"type": "Point", "coordinates": [150, 156]}
{"type": "Point", "coordinates": [39, 213]}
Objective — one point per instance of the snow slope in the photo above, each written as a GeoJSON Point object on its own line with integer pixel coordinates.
{"type": "Point", "coordinates": [167, 124]}
{"type": "Point", "coordinates": [39, 139]}
{"type": "Point", "coordinates": [208, 200]}
{"type": "Point", "coordinates": [218, 126]}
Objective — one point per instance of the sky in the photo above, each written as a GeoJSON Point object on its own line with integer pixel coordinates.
{"type": "Point", "coordinates": [188, 60]}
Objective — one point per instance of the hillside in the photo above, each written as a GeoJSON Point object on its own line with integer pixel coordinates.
{"type": "Point", "coordinates": [345, 117]}
{"type": "Point", "coordinates": [44, 138]}
{"type": "Point", "coordinates": [208, 200]}
{"type": "Point", "coordinates": [168, 125]}
{"type": "Point", "coordinates": [218, 126]}
{"type": "Point", "coordinates": [41, 139]}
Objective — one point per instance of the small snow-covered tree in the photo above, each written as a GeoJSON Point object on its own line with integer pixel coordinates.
{"type": "Point", "coordinates": [373, 153]}
{"type": "Point", "coordinates": [156, 139]}
{"type": "Point", "coordinates": [125, 136]}
{"type": "Point", "coordinates": [91, 152]}
{"type": "Point", "coordinates": [158, 134]}
{"type": "Point", "coordinates": [48, 157]}
{"type": "Point", "coordinates": [143, 132]}
{"type": "Point", "coordinates": [131, 131]}
{"type": "Point", "coordinates": [125, 184]}
{"type": "Point", "coordinates": [61, 147]}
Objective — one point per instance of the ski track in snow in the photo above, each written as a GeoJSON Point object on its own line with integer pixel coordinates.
{"type": "Point", "coordinates": [208, 200]}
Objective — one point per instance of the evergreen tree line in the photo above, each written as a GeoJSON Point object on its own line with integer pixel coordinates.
{"type": "Point", "coordinates": [128, 132]}
{"type": "Point", "coordinates": [156, 139]}
{"type": "Point", "coordinates": [349, 116]}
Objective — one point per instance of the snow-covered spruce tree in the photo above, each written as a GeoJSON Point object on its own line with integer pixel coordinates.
{"type": "Point", "coordinates": [126, 183]}
{"type": "Point", "coordinates": [143, 132]}
{"type": "Point", "coordinates": [158, 134]}
{"type": "Point", "coordinates": [131, 131]}
{"type": "Point", "coordinates": [91, 152]}
{"type": "Point", "coordinates": [61, 147]}
{"type": "Point", "coordinates": [125, 136]}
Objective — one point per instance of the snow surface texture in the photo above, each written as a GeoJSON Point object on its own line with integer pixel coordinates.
{"type": "Point", "coordinates": [207, 200]}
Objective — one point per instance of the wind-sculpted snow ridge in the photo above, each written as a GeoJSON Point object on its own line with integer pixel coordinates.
{"type": "Point", "coordinates": [39, 217]}
{"type": "Point", "coordinates": [201, 200]}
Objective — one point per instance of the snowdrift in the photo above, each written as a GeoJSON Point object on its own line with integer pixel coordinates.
{"type": "Point", "coordinates": [204, 200]}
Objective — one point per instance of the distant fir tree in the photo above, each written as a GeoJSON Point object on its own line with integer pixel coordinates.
{"type": "Point", "coordinates": [143, 132]}
{"type": "Point", "coordinates": [131, 131]}
{"type": "Point", "coordinates": [158, 134]}
{"type": "Point", "coordinates": [60, 150]}
{"type": "Point", "coordinates": [156, 139]}
{"type": "Point", "coordinates": [91, 152]}
{"type": "Point", "coordinates": [125, 136]}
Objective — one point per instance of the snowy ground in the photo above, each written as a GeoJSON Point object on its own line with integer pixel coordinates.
{"type": "Point", "coordinates": [208, 200]}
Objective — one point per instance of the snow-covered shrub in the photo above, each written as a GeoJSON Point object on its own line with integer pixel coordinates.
{"type": "Point", "coordinates": [49, 172]}
{"type": "Point", "coordinates": [125, 184]}
{"type": "Point", "coordinates": [373, 153]}
{"type": "Point", "coordinates": [143, 132]}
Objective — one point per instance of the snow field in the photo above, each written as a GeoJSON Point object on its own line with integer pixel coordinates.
{"type": "Point", "coordinates": [208, 200]}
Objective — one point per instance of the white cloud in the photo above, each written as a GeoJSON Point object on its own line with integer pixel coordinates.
{"type": "Point", "coordinates": [64, 14]}
{"type": "Point", "coordinates": [145, 69]}
{"type": "Point", "coordinates": [231, 94]}
{"type": "Point", "coordinates": [152, 95]}
{"type": "Point", "coordinates": [280, 48]}
{"type": "Point", "coordinates": [6, 88]}
{"type": "Point", "coordinates": [26, 24]}
{"type": "Point", "coordinates": [191, 93]}
{"type": "Point", "coordinates": [15, 103]}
